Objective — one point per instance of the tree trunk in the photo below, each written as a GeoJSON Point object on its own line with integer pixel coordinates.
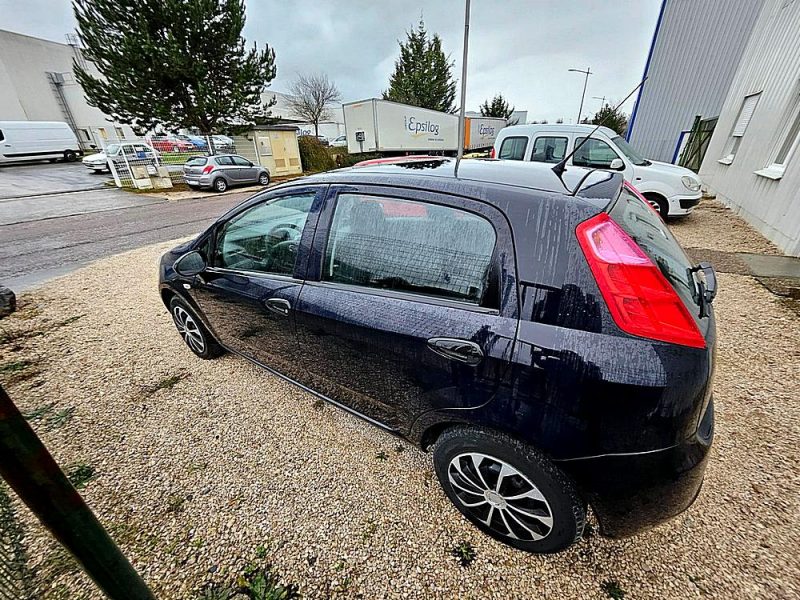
{"type": "Point", "coordinates": [316, 129]}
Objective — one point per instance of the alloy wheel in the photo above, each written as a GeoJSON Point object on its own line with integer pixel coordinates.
{"type": "Point", "coordinates": [189, 330]}
{"type": "Point", "coordinates": [500, 497]}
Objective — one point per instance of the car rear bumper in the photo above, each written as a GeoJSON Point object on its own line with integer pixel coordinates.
{"type": "Point", "coordinates": [197, 180]}
{"type": "Point", "coordinates": [633, 492]}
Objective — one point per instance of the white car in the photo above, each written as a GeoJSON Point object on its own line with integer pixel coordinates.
{"type": "Point", "coordinates": [672, 190]}
{"type": "Point", "coordinates": [339, 142]}
{"type": "Point", "coordinates": [98, 162]}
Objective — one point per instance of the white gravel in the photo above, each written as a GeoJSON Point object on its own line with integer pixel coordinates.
{"type": "Point", "coordinates": [257, 462]}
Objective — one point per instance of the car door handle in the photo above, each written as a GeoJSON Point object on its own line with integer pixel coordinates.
{"type": "Point", "coordinates": [463, 351]}
{"type": "Point", "coordinates": [278, 306]}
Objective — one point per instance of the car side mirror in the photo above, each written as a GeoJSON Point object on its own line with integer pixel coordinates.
{"type": "Point", "coordinates": [617, 165]}
{"type": "Point", "coordinates": [190, 264]}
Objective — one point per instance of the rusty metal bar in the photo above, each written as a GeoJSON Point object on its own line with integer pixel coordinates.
{"type": "Point", "coordinates": [30, 470]}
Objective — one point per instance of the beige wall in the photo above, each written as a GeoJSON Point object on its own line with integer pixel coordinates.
{"type": "Point", "coordinates": [276, 150]}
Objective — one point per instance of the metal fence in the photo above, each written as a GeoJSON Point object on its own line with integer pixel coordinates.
{"type": "Point", "coordinates": [157, 162]}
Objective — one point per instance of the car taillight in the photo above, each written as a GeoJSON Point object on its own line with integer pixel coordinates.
{"type": "Point", "coordinates": [491, 154]}
{"type": "Point", "coordinates": [207, 169]}
{"type": "Point", "coordinates": [641, 300]}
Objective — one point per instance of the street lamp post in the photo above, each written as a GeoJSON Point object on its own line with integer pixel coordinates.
{"type": "Point", "coordinates": [587, 72]}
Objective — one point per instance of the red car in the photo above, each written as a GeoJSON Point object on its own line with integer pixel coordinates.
{"type": "Point", "coordinates": [170, 143]}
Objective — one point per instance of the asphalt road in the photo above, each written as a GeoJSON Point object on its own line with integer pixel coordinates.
{"type": "Point", "coordinates": [23, 180]}
{"type": "Point", "coordinates": [41, 248]}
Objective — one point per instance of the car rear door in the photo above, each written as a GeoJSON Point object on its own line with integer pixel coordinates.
{"type": "Point", "coordinates": [402, 311]}
{"type": "Point", "coordinates": [226, 167]}
{"type": "Point", "coordinates": [257, 260]}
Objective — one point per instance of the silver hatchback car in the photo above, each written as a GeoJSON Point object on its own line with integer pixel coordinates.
{"type": "Point", "coordinates": [222, 171]}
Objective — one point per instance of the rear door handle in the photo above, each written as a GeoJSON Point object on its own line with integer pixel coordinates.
{"type": "Point", "coordinates": [278, 306]}
{"type": "Point", "coordinates": [463, 351]}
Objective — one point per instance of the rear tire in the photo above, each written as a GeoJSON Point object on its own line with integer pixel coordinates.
{"type": "Point", "coordinates": [192, 330]}
{"type": "Point", "coordinates": [659, 203]}
{"type": "Point", "coordinates": [70, 156]}
{"type": "Point", "coordinates": [220, 185]}
{"type": "Point", "coordinates": [509, 490]}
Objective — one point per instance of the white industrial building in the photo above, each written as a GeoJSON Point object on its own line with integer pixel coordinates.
{"type": "Point", "coordinates": [753, 159]}
{"type": "Point", "coordinates": [37, 84]}
{"type": "Point", "coordinates": [696, 47]}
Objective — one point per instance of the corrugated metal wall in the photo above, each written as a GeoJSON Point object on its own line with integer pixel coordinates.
{"type": "Point", "coordinates": [697, 50]}
{"type": "Point", "coordinates": [770, 65]}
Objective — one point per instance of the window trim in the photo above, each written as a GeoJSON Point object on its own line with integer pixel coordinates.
{"type": "Point", "coordinates": [553, 136]}
{"type": "Point", "coordinates": [730, 141]}
{"type": "Point", "coordinates": [514, 137]}
{"type": "Point", "coordinates": [775, 170]}
{"type": "Point", "coordinates": [392, 194]}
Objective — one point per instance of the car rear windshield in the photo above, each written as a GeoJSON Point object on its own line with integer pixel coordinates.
{"type": "Point", "coordinates": [653, 236]}
{"type": "Point", "coordinates": [197, 161]}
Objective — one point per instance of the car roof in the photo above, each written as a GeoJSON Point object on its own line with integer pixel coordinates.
{"type": "Point", "coordinates": [561, 127]}
{"type": "Point", "coordinates": [438, 174]}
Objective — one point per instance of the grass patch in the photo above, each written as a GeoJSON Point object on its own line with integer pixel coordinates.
{"type": "Point", "coordinates": [166, 383]}
{"type": "Point", "coordinates": [465, 553]}
{"type": "Point", "coordinates": [369, 530]}
{"type": "Point", "coordinates": [15, 366]}
{"type": "Point", "coordinates": [51, 418]}
{"type": "Point", "coordinates": [612, 589]}
{"type": "Point", "coordinates": [382, 456]}
{"type": "Point", "coordinates": [175, 503]}
{"type": "Point", "coordinates": [18, 370]}
{"type": "Point", "coordinates": [81, 474]}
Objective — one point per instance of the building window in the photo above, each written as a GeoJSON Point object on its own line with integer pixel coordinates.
{"type": "Point", "coordinates": [120, 133]}
{"type": "Point", "coordinates": [787, 147]}
{"type": "Point", "coordinates": [742, 121]}
{"type": "Point", "coordinates": [103, 133]}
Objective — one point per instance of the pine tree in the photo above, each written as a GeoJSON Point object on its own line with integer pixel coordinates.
{"type": "Point", "coordinates": [423, 73]}
{"type": "Point", "coordinates": [498, 107]}
{"type": "Point", "coordinates": [172, 63]}
{"type": "Point", "coordinates": [618, 121]}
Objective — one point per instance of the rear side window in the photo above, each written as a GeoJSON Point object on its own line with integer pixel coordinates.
{"type": "Point", "coordinates": [409, 246]}
{"type": "Point", "coordinates": [513, 148]}
{"type": "Point", "coordinates": [653, 236]}
{"type": "Point", "coordinates": [197, 161]}
{"type": "Point", "coordinates": [549, 149]}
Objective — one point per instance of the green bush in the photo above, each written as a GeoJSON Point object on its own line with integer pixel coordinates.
{"type": "Point", "coordinates": [313, 155]}
{"type": "Point", "coordinates": [343, 159]}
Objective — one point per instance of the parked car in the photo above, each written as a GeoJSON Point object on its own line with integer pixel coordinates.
{"type": "Point", "coordinates": [133, 151]}
{"type": "Point", "coordinates": [170, 143]}
{"type": "Point", "coordinates": [222, 171]}
{"type": "Point", "coordinates": [37, 140]}
{"type": "Point", "coordinates": [556, 349]}
{"type": "Point", "coordinates": [670, 189]}
{"type": "Point", "coordinates": [223, 143]}
{"type": "Point", "coordinates": [339, 142]}
{"type": "Point", "coordinates": [197, 142]}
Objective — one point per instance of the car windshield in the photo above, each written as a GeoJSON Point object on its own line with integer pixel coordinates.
{"type": "Point", "coordinates": [629, 151]}
{"type": "Point", "coordinates": [112, 149]}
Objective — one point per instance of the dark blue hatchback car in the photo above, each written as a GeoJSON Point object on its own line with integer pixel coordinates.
{"type": "Point", "coordinates": [549, 339]}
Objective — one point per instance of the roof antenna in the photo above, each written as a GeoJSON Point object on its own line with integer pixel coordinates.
{"type": "Point", "coordinates": [562, 165]}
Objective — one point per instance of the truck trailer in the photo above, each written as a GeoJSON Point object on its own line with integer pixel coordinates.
{"type": "Point", "coordinates": [388, 127]}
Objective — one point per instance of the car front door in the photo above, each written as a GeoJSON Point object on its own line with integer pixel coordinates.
{"type": "Point", "coordinates": [246, 171]}
{"type": "Point", "coordinates": [257, 261]}
{"type": "Point", "coordinates": [598, 154]}
{"type": "Point", "coordinates": [402, 311]}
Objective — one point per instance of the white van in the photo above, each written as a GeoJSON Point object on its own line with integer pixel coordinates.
{"type": "Point", "coordinates": [671, 189]}
{"type": "Point", "coordinates": [37, 140]}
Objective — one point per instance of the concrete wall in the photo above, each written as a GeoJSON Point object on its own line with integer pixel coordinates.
{"type": "Point", "coordinates": [26, 93]}
{"type": "Point", "coordinates": [770, 65]}
{"type": "Point", "coordinates": [696, 50]}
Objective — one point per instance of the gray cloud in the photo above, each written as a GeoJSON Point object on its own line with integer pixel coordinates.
{"type": "Point", "coordinates": [522, 49]}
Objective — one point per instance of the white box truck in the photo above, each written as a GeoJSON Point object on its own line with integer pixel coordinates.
{"type": "Point", "coordinates": [390, 127]}
{"type": "Point", "coordinates": [37, 140]}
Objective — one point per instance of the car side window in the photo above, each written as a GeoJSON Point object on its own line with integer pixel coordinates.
{"type": "Point", "coordinates": [549, 149]}
{"type": "Point", "coordinates": [409, 246]}
{"type": "Point", "coordinates": [225, 161]}
{"type": "Point", "coordinates": [513, 148]}
{"type": "Point", "coordinates": [264, 238]}
{"type": "Point", "coordinates": [594, 153]}
{"type": "Point", "coordinates": [240, 162]}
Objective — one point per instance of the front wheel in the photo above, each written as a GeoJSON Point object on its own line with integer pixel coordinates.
{"type": "Point", "coordinates": [263, 179]}
{"type": "Point", "coordinates": [659, 203]}
{"type": "Point", "coordinates": [509, 490]}
{"type": "Point", "coordinates": [192, 330]}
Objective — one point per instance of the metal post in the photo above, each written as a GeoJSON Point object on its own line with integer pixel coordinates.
{"type": "Point", "coordinates": [461, 122]}
{"type": "Point", "coordinates": [587, 72]}
{"type": "Point", "coordinates": [30, 470]}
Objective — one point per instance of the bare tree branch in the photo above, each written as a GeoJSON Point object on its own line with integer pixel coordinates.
{"type": "Point", "coordinates": [311, 96]}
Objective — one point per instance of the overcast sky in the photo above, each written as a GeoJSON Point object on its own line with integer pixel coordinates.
{"type": "Point", "coordinates": [522, 49]}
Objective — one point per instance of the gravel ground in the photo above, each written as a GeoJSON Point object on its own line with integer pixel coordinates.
{"type": "Point", "coordinates": [201, 468]}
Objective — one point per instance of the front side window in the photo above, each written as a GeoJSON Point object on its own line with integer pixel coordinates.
{"type": "Point", "coordinates": [595, 154]}
{"type": "Point", "coordinates": [409, 246]}
{"type": "Point", "coordinates": [240, 162]}
{"type": "Point", "coordinates": [629, 151]}
{"type": "Point", "coordinates": [112, 150]}
{"type": "Point", "coordinates": [549, 149]}
{"type": "Point", "coordinates": [264, 238]}
{"type": "Point", "coordinates": [513, 148]}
